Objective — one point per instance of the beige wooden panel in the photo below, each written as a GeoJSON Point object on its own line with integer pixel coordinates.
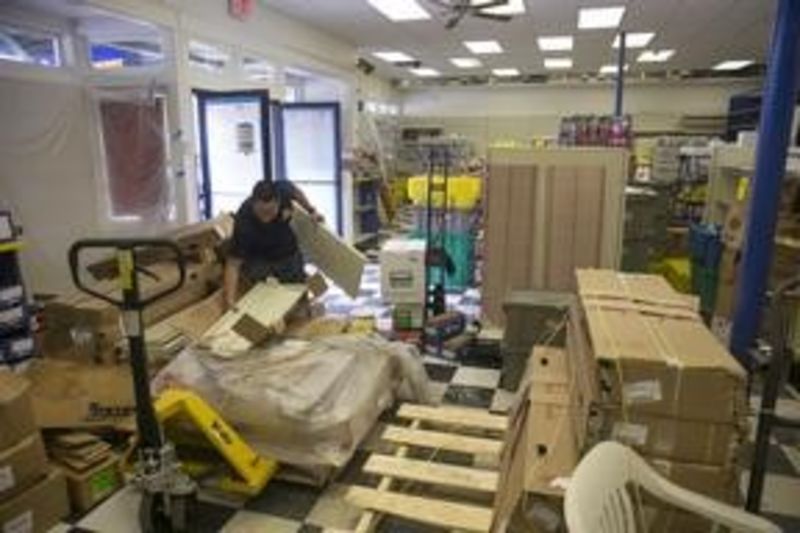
{"type": "Point", "coordinates": [337, 259]}
{"type": "Point", "coordinates": [497, 200]}
{"type": "Point", "coordinates": [441, 440]}
{"type": "Point", "coordinates": [459, 416]}
{"type": "Point", "coordinates": [434, 473]}
{"type": "Point", "coordinates": [426, 510]}
{"type": "Point", "coordinates": [560, 229]}
{"type": "Point", "coordinates": [589, 215]}
{"type": "Point", "coordinates": [521, 225]}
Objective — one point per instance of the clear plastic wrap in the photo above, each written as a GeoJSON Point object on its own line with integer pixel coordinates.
{"type": "Point", "coordinates": [305, 403]}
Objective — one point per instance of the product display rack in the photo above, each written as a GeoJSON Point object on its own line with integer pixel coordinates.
{"type": "Point", "coordinates": [16, 332]}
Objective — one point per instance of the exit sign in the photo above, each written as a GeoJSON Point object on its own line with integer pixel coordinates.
{"type": "Point", "coordinates": [241, 9]}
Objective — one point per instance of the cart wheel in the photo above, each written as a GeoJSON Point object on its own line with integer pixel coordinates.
{"type": "Point", "coordinates": [152, 517]}
{"type": "Point", "coordinates": [182, 509]}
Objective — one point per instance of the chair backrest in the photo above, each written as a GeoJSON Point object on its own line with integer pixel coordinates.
{"type": "Point", "coordinates": [597, 498]}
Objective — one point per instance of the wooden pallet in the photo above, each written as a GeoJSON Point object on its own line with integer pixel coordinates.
{"type": "Point", "coordinates": [454, 429]}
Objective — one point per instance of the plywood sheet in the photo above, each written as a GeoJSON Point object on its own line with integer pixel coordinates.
{"type": "Point", "coordinates": [337, 259]}
{"type": "Point", "coordinates": [549, 211]}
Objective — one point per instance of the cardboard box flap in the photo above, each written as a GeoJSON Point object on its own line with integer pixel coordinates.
{"type": "Point", "coordinates": [650, 292]}
{"type": "Point", "coordinates": [12, 387]}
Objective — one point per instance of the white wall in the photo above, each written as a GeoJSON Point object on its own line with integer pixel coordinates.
{"type": "Point", "coordinates": [49, 153]}
{"type": "Point", "coordinates": [494, 113]}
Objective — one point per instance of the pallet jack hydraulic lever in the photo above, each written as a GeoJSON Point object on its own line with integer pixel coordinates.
{"type": "Point", "coordinates": [168, 494]}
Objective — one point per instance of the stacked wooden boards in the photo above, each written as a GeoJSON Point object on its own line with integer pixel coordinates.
{"type": "Point", "coordinates": [549, 211]}
{"type": "Point", "coordinates": [449, 429]}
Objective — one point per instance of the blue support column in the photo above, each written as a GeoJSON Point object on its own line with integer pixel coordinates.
{"type": "Point", "coordinates": [773, 139]}
{"type": "Point", "coordinates": [620, 76]}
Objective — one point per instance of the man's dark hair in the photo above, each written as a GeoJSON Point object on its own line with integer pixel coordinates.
{"type": "Point", "coordinates": [264, 191]}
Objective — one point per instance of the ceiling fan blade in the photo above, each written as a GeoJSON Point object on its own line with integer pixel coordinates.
{"type": "Point", "coordinates": [493, 16]}
{"type": "Point", "coordinates": [489, 4]}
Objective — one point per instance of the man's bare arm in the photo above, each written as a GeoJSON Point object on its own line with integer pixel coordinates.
{"type": "Point", "coordinates": [230, 286]}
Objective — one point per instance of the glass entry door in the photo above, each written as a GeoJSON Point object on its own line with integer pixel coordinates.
{"type": "Point", "coordinates": [233, 145]}
{"type": "Point", "coordinates": [310, 144]}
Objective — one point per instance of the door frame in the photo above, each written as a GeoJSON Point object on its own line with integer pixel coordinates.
{"type": "Point", "coordinates": [337, 140]}
{"type": "Point", "coordinates": [203, 96]}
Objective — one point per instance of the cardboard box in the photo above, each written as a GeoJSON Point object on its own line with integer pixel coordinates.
{"type": "Point", "coordinates": [37, 509]}
{"type": "Point", "coordinates": [22, 465]}
{"type": "Point", "coordinates": [87, 489]}
{"type": "Point", "coordinates": [403, 271]}
{"type": "Point", "coordinates": [72, 395]}
{"type": "Point", "coordinates": [670, 438]}
{"type": "Point", "coordinates": [654, 353]}
{"type": "Point", "coordinates": [16, 410]}
{"type": "Point", "coordinates": [720, 482]}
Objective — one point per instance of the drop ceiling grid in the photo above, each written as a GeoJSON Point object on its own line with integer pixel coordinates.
{"type": "Point", "coordinates": [702, 32]}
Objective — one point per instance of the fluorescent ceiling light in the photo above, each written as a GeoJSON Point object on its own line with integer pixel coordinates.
{"type": "Point", "coordinates": [611, 69]}
{"type": "Point", "coordinates": [484, 47]}
{"type": "Point", "coordinates": [736, 64]}
{"type": "Point", "coordinates": [400, 10]}
{"type": "Point", "coordinates": [393, 57]}
{"type": "Point", "coordinates": [466, 62]}
{"type": "Point", "coordinates": [505, 72]}
{"type": "Point", "coordinates": [557, 43]}
{"type": "Point", "coordinates": [635, 40]}
{"type": "Point", "coordinates": [557, 63]}
{"type": "Point", "coordinates": [600, 17]}
{"type": "Point", "coordinates": [513, 7]}
{"type": "Point", "coordinates": [655, 56]}
{"type": "Point", "coordinates": [425, 72]}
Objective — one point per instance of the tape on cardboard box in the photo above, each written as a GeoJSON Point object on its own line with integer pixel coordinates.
{"type": "Point", "coordinates": [675, 439]}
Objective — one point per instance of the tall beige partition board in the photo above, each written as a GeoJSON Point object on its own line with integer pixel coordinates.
{"type": "Point", "coordinates": [548, 212]}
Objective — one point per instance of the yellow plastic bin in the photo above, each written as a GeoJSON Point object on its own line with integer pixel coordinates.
{"type": "Point", "coordinates": [463, 192]}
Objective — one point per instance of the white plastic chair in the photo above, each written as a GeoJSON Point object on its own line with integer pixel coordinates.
{"type": "Point", "coordinates": [597, 498]}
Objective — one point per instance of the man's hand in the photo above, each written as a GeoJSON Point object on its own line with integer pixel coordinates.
{"type": "Point", "coordinates": [317, 217]}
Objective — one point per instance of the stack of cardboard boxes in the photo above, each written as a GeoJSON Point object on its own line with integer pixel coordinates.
{"type": "Point", "coordinates": [669, 389]}
{"type": "Point", "coordinates": [33, 496]}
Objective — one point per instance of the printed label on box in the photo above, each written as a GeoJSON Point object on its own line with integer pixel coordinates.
{"type": "Point", "coordinates": [20, 524]}
{"type": "Point", "coordinates": [11, 316]}
{"type": "Point", "coordinates": [11, 294]}
{"type": "Point", "coordinates": [642, 392]}
{"type": "Point", "coordinates": [635, 434]}
{"type": "Point", "coordinates": [7, 480]}
{"type": "Point", "coordinates": [22, 346]}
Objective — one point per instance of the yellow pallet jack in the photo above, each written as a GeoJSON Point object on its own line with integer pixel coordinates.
{"type": "Point", "coordinates": [252, 471]}
{"type": "Point", "coordinates": [168, 492]}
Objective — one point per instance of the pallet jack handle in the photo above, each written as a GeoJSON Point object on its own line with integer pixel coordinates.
{"type": "Point", "coordinates": [131, 305]}
{"type": "Point", "coordinates": [125, 249]}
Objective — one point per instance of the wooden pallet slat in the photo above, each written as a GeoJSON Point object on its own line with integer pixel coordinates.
{"type": "Point", "coordinates": [440, 440]}
{"type": "Point", "coordinates": [435, 473]}
{"type": "Point", "coordinates": [435, 512]}
{"type": "Point", "coordinates": [460, 416]}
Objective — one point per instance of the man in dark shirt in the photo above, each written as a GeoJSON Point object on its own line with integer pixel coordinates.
{"type": "Point", "coordinates": [263, 243]}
